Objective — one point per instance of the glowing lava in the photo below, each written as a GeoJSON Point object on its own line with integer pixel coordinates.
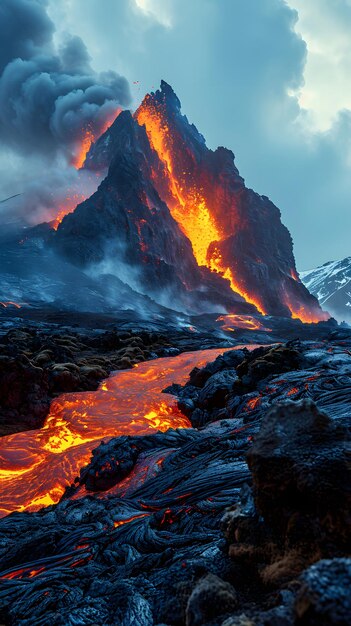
{"type": "Point", "coordinates": [306, 314]}
{"type": "Point", "coordinates": [70, 202]}
{"type": "Point", "coordinates": [84, 147]}
{"type": "Point", "coordinates": [8, 303]}
{"type": "Point", "coordinates": [189, 208]}
{"type": "Point", "coordinates": [89, 136]}
{"type": "Point", "coordinates": [36, 466]}
{"type": "Point", "coordinates": [247, 322]}
{"type": "Point", "coordinates": [187, 203]}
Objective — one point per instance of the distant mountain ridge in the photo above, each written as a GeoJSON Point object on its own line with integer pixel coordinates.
{"type": "Point", "coordinates": [331, 284]}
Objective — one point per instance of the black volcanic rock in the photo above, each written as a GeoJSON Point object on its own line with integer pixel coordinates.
{"type": "Point", "coordinates": [180, 217]}
{"type": "Point", "coordinates": [300, 462]}
{"type": "Point", "coordinates": [324, 598]}
{"type": "Point", "coordinates": [126, 222]}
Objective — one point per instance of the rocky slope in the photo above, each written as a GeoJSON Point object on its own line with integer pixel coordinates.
{"type": "Point", "coordinates": [181, 219]}
{"type": "Point", "coordinates": [331, 284]}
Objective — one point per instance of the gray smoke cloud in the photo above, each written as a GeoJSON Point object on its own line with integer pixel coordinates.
{"type": "Point", "coordinates": [49, 96]}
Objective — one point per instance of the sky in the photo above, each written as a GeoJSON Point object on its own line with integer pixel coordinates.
{"type": "Point", "coordinates": [269, 79]}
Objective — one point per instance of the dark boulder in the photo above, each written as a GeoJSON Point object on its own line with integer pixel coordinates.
{"type": "Point", "coordinates": [324, 598]}
{"type": "Point", "coordinates": [300, 465]}
{"type": "Point", "coordinates": [215, 390]}
{"type": "Point", "coordinates": [210, 598]}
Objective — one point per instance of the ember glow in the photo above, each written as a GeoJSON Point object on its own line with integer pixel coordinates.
{"type": "Point", "coordinates": [8, 303]}
{"type": "Point", "coordinates": [70, 204]}
{"type": "Point", "coordinates": [83, 149]}
{"type": "Point", "coordinates": [186, 197]}
{"type": "Point", "coordinates": [37, 465]}
{"type": "Point", "coordinates": [306, 315]}
{"type": "Point", "coordinates": [248, 322]}
{"type": "Point", "coordinates": [88, 138]}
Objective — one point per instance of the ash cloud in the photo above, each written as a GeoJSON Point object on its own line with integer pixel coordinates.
{"type": "Point", "coordinates": [49, 96]}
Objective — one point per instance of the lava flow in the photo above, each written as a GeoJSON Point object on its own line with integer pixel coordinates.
{"type": "Point", "coordinates": [187, 203]}
{"type": "Point", "coordinates": [9, 303]}
{"type": "Point", "coordinates": [231, 322]}
{"type": "Point", "coordinates": [36, 466]}
{"type": "Point", "coordinates": [305, 314]}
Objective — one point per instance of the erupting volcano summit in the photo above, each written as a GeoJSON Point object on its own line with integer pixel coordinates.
{"type": "Point", "coordinates": [180, 216]}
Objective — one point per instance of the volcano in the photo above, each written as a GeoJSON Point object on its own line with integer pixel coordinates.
{"type": "Point", "coordinates": [178, 219]}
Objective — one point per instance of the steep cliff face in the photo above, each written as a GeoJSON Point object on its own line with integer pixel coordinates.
{"type": "Point", "coordinates": [179, 215]}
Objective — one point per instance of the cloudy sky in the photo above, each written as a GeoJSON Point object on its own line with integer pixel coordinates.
{"type": "Point", "coordinates": [269, 79]}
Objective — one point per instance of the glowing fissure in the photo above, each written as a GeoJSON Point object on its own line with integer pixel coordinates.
{"type": "Point", "coordinates": [9, 303]}
{"type": "Point", "coordinates": [83, 149]}
{"type": "Point", "coordinates": [89, 136]}
{"type": "Point", "coordinates": [37, 465]}
{"type": "Point", "coordinates": [305, 314]}
{"type": "Point", "coordinates": [247, 322]}
{"type": "Point", "coordinates": [189, 206]}
{"type": "Point", "coordinates": [189, 209]}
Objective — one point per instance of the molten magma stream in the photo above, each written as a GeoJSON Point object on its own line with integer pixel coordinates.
{"type": "Point", "coordinates": [306, 314]}
{"type": "Point", "coordinates": [246, 322]}
{"type": "Point", "coordinates": [37, 465]}
{"type": "Point", "coordinates": [189, 208]}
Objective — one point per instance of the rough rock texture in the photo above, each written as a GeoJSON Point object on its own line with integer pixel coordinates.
{"type": "Point", "coordinates": [152, 549]}
{"type": "Point", "coordinates": [127, 223]}
{"type": "Point", "coordinates": [210, 598]}
{"type": "Point", "coordinates": [161, 172]}
{"type": "Point", "coordinates": [324, 597]}
{"type": "Point", "coordinates": [301, 468]}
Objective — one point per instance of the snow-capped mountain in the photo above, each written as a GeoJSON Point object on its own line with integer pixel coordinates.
{"type": "Point", "coordinates": [331, 284]}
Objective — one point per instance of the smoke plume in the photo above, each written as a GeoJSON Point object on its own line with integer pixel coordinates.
{"type": "Point", "coordinates": [50, 97]}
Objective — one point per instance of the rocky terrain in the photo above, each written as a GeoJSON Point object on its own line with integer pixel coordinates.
{"type": "Point", "coordinates": [181, 219]}
{"type": "Point", "coordinates": [241, 520]}
{"type": "Point", "coordinates": [45, 352]}
{"type": "Point", "coordinates": [223, 501]}
{"type": "Point", "coordinates": [331, 284]}
{"type": "Point", "coordinates": [38, 365]}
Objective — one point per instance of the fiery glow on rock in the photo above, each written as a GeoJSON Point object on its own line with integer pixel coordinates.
{"type": "Point", "coordinates": [88, 138]}
{"type": "Point", "coordinates": [37, 465]}
{"type": "Point", "coordinates": [9, 303]}
{"type": "Point", "coordinates": [189, 208]}
{"type": "Point", "coordinates": [129, 519]}
{"type": "Point", "coordinates": [294, 275]}
{"type": "Point", "coordinates": [305, 314]}
{"type": "Point", "coordinates": [247, 322]}
{"type": "Point", "coordinates": [83, 149]}
{"type": "Point", "coordinates": [187, 203]}
{"type": "Point", "coordinates": [70, 204]}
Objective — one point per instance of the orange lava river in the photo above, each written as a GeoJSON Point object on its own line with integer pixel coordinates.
{"type": "Point", "coordinates": [37, 465]}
